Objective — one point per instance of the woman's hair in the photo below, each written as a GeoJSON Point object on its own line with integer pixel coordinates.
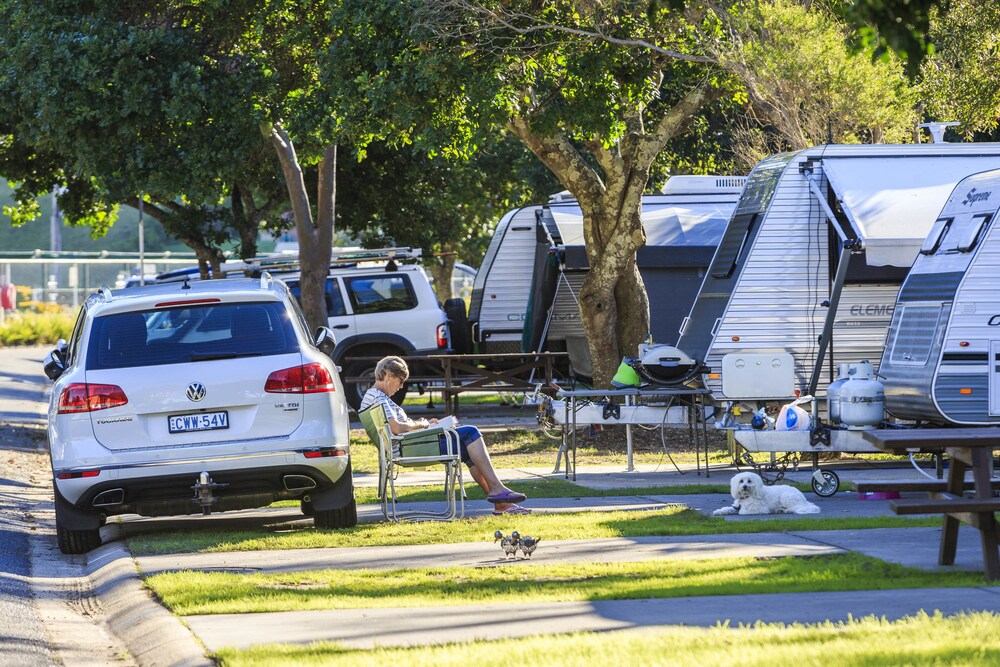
{"type": "Point", "coordinates": [391, 366]}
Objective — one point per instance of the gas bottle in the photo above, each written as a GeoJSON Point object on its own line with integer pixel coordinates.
{"type": "Point", "coordinates": [862, 399]}
{"type": "Point", "coordinates": [833, 393]}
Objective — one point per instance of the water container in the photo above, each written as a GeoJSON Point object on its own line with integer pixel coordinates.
{"type": "Point", "coordinates": [862, 403]}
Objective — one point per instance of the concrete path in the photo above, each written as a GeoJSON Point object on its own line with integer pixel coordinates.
{"type": "Point", "coordinates": [367, 628]}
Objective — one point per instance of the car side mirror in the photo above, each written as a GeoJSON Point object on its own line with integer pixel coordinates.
{"type": "Point", "coordinates": [54, 366]}
{"type": "Point", "coordinates": [61, 348]}
{"type": "Point", "coordinates": [326, 341]}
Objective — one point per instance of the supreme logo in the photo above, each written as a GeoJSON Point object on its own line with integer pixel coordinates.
{"type": "Point", "coordinates": [974, 197]}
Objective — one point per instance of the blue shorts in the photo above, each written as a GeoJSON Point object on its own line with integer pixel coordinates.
{"type": "Point", "coordinates": [466, 436]}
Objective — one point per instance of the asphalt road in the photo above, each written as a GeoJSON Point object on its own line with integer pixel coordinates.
{"type": "Point", "coordinates": [22, 632]}
{"type": "Point", "coordinates": [49, 614]}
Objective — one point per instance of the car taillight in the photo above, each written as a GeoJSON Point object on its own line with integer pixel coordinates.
{"type": "Point", "coordinates": [308, 379]}
{"type": "Point", "coordinates": [442, 336]}
{"type": "Point", "coordinates": [85, 397]}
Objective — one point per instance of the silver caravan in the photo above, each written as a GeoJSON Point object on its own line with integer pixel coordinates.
{"type": "Point", "coordinates": [524, 294]}
{"type": "Point", "coordinates": [940, 363]}
{"type": "Point", "coordinates": [808, 271]}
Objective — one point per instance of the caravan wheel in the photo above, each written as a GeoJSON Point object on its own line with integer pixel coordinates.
{"type": "Point", "coordinates": [825, 483]}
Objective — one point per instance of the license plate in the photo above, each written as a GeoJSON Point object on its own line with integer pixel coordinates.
{"type": "Point", "coordinates": [202, 421]}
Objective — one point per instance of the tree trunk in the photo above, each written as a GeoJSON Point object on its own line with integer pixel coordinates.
{"type": "Point", "coordinates": [614, 307]}
{"type": "Point", "coordinates": [441, 267]}
{"type": "Point", "coordinates": [315, 238]}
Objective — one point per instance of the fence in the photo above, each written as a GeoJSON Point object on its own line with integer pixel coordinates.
{"type": "Point", "coordinates": [66, 278]}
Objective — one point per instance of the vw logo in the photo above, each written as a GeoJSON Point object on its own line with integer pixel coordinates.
{"type": "Point", "coordinates": [196, 391]}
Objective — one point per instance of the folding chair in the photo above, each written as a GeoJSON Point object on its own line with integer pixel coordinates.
{"type": "Point", "coordinates": [414, 449]}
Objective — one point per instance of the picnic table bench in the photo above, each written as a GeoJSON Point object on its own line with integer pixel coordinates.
{"type": "Point", "coordinates": [968, 449]}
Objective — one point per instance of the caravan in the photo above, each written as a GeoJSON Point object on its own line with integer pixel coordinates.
{"type": "Point", "coordinates": [524, 297]}
{"type": "Point", "coordinates": [940, 363]}
{"type": "Point", "coordinates": [807, 273]}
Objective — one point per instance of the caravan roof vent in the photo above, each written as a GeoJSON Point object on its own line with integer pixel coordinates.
{"type": "Point", "coordinates": [936, 130]}
{"type": "Point", "coordinates": [678, 185]}
{"type": "Point", "coordinates": [565, 195]}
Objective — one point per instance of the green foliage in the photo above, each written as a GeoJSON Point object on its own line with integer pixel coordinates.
{"type": "Point", "coordinates": [808, 85]}
{"type": "Point", "coordinates": [34, 328]}
{"type": "Point", "coordinates": [961, 80]}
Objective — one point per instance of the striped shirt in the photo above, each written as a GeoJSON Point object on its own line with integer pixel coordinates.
{"type": "Point", "coordinates": [375, 396]}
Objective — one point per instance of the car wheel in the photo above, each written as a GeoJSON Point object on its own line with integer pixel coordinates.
{"type": "Point", "coordinates": [77, 541]}
{"type": "Point", "coordinates": [344, 517]}
{"type": "Point", "coordinates": [365, 371]}
{"type": "Point", "coordinates": [307, 507]}
{"type": "Point", "coordinates": [458, 326]}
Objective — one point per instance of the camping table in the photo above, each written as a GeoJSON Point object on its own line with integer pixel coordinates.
{"type": "Point", "coordinates": [693, 399]}
{"type": "Point", "coordinates": [967, 449]}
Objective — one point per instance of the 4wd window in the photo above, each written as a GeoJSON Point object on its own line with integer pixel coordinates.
{"type": "Point", "coordinates": [190, 334]}
{"type": "Point", "coordinates": [334, 299]}
{"type": "Point", "coordinates": [381, 294]}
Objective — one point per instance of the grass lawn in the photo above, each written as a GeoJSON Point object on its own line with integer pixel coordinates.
{"type": "Point", "coordinates": [188, 592]}
{"type": "Point", "coordinates": [550, 487]}
{"type": "Point", "coordinates": [673, 520]}
{"type": "Point", "coordinates": [972, 639]}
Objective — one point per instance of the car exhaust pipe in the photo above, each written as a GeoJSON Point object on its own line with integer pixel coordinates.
{"type": "Point", "coordinates": [109, 497]}
{"type": "Point", "coordinates": [298, 482]}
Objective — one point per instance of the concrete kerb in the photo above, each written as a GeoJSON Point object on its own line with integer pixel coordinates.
{"type": "Point", "coordinates": [153, 635]}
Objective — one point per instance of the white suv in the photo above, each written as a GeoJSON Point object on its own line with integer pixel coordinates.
{"type": "Point", "coordinates": [378, 310]}
{"type": "Point", "coordinates": [195, 397]}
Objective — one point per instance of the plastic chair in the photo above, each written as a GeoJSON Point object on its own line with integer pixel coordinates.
{"type": "Point", "coordinates": [414, 449]}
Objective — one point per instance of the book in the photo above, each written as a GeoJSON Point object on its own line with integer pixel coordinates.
{"type": "Point", "coordinates": [447, 422]}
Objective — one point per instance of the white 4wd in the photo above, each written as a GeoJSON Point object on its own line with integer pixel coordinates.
{"type": "Point", "coordinates": [183, 398]}
{"type": "Point", "coordinates": [379, 309]}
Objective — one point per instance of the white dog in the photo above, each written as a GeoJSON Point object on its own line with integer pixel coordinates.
{"type": "Point", "coordinates": [752, 496]}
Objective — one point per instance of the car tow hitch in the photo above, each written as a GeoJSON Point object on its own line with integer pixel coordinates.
{"type": "Point", "coordinates": [203, 492]}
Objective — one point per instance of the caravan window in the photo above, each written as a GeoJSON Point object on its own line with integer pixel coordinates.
{"type": "Point", "coordinates": [974, 231]}
{"type": "Point", "coordinates": [915, 332]}
{"type": "Point", "coordinates": [733, 247]}
{"type": "Point", "coordinates": [936, 235]}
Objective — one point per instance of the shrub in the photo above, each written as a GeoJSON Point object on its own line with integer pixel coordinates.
{"type": "Point", "coordinates": [28, 328]}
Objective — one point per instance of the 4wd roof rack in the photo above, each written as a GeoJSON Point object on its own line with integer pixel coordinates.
{"type": "Point", "coordinates": [339, 257]}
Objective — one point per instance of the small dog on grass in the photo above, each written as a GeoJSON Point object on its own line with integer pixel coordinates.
{"type": "Point", "coordinates": [752, 496]}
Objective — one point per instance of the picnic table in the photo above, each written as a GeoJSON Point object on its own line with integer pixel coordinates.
{"type": "Point", "coordinates": [968, 449]}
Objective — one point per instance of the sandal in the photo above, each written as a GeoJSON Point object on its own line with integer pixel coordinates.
{"type": "Point", "coordinates": [507, 496]}
{"type": "Point", "coordinates": [513, 509]}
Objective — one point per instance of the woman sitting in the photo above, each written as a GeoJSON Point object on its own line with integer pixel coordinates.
{"type": "Point", "coordinates": [390, 375]}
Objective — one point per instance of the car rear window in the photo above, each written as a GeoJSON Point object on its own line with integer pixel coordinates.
{"type": "Point", "coordinates": [190, 334]}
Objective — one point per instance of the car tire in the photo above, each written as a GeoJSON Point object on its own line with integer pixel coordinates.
{"type": "Point", "coordinates": [366, 370]}
{"type": "Point", "coordinates": [458, 326]}
{"type": "Point", "coordinates": [307, 507]}
{"type": "Point", "coordinates": [77, 541]}
{"type": "Point", "coordinates": [343, 517]}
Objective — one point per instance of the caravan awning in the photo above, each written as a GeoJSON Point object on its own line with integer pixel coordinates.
{"type": "Point", "coordinates": [894, 202]}
{"type": "Point", "coordinates": [693, 224]}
